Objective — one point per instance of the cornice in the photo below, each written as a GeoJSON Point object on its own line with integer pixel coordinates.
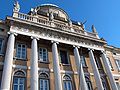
{"type": "Point", "coordinates": [58, 37]}
{"type": "Point", "coordinates": [57, 30]}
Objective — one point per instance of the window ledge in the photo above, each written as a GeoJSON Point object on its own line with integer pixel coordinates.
{"type": "Point", "coordinates": [22, 59]}
{"type": "Point", "coordinates": [43, 62]}
{"type": "Point", "coordinates": [64, 64]}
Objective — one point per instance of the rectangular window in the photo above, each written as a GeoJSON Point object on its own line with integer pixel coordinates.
{"type": "Point", "coordinates": [64, 57]}
{"type": "Point", "coordinates": [1, 45]}
{"type": "Point", "coordinates": [21, 51]}
{"type": "Point", "coordinates": [118, 64]}
{"type": "Point", "coordinates": [43, 55]}
{"type": "Point", "coordinates": [67, 85]}
{"type": "Point", "coordinates": [109, 62]}
{"type": "Point", "coordinates": [83, 61]}
{"type": "Point", "coordinates": [44, 84]}
{"type": "Point", "coordinates": [98, 62]}
{"type": "Point", "coordinates": [18, 83]}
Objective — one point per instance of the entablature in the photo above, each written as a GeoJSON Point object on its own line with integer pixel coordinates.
{"type": "Point", "coordinates": [55, 27]}
{"type": "Point", "coordinates": [61, 37]}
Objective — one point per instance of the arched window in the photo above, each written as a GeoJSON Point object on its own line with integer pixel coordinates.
{"type": "Point", "coordinates": [89, 84]}
{"type": "Point", "coordinates": [44, 81]}
{"type": "Point", "coordinates": [104, 84]}
{"type": "Point", "coordinates": [67, 82]}
{"type": "Point", "coordinates": [19, 80]}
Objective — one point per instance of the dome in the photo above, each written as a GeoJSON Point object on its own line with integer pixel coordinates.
{"type": "Point", "coordinates": [45, 9]}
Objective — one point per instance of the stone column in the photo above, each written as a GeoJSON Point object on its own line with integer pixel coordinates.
{"type": "Point", "coordinates": [83, 84]}
{"type": "Point", "coordinates": [56, 67]}
{"type": "Point", "coordinates": [95, 71]}
{"type": "Point", "coordinates": [108, 71]}
{"type": "Point", "coordinates": [34, 65]}
{"type": "Point", "coordinates": [8, 62]}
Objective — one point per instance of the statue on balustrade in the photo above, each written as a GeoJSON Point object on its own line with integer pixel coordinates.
{"type": "Point", "coordinates": [16, 6]}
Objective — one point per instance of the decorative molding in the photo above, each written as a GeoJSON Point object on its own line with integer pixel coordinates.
{"type": "Point", "coordinates": [19, 66]}
{"type": "Point", "coordinates": [116, 75]}
{"type": "Point", "coordinates": [58, 37]}
{"type": "Point", "coordinates": [68, 72]}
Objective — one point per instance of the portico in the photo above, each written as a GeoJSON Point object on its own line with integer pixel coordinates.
{"type": "Point", "coordinates": [55, 46]}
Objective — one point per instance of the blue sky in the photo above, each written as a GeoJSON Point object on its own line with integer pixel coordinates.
{"type": "Point", "coordinates": [104, 14]}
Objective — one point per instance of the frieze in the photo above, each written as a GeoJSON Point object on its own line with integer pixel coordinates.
{"type": "Point", "coordinates": [55, 35]}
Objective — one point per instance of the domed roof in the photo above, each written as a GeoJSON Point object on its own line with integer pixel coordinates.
{"type": "Point", "coordinates": [49, 5]}
{"type": "Point", "coordinates": [45, 9]}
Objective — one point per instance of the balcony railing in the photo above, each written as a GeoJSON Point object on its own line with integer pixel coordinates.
{"type": "Point", "coordinates": [53, 24]}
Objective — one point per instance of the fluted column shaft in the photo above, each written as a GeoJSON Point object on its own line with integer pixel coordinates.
{"type": "Point", "coordinates": [8, 62]}
{"type": "Point", "coordinates": [56, 67]}
{"type": "Point", "coordinates": [83, 84]}
{"type": "Point", "coordinates": [34, 65]}
{"type": "Point", "coordinates": [108, 71]}
{"type": "Point", "coordinates": [95, 71]}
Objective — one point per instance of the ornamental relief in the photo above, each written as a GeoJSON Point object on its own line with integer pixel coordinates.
{"type": "Point", "coordinates": [56, 35]}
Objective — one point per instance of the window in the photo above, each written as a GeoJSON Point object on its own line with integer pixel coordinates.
{"type": "Point", "coordinates": [118, 85]}
{"type": "Point", "coordinates": [64, 57]}
{"type": "Point", "coordinates": [109, 63]}
{"type": "Point", "coordinates": [98, 62]}
{"type": "Point", "coordinates": [43, 55]}
{"type": "Point", "coordinates": [19, 81]}
{"type": "Point", "coordinates": [21, 51]}
{"type": "Point", "coordinates": [67, 83]}
{"type": "Point", "coordinates": [44, 81]}
{"type": "Point", "coordinates": [83, 61]}
{"type": "Point", "coordinates": [1, 45]}
{"type": "Point", "coordinates": [118, 64]}
{"type": "Point", "coordinates": [104, 84]}
{"type": "Point", "coordinates": [88, 83]}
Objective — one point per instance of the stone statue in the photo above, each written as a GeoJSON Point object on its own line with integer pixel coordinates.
{"type": "Point", "coordinates": [34, 11]}
{"type": "Point", "coordinates": [51, 17]}
{"type": "Point", "coordinates": [16, 7]}
{"type": "Point", "coordinates": [70, 22]}
{"type": "Point", "coordinates": [93, 29]}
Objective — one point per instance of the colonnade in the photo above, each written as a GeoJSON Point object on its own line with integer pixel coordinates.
{"type": "Point", "coordinates": [8, 62]}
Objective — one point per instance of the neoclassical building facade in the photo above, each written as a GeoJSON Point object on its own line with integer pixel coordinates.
{"type": "Point", "coordinates": [46, 50]}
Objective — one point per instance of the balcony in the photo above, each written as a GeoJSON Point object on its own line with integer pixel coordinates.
{"type": "Point", "coordinates": [53, 24]}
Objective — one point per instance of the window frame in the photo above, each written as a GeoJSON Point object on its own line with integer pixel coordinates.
{"type": "Point", "coordinates": [44, 78]}
{"type": "Point", "coordinates": [109, 63]}
{"type": "Point", "coordinates": [44, 83]}
{"type": "Point", "coordinates": [19, 77]}
{"type": "Point", "coordinates": [21, 58]}
{"type": "Point", "coordinates": [87, 79]}
{"type": "Point", "coordinates": [18, 84]}
{"type": "Point", "coordinates": [117, 61]}
{"type": "Point", "coordinates": [68, 58]}
{"type": "Point", "coordinates": [82, 57]}
{"type": "Point", "coordinates": [98, 62]}
{"type": "Point", "coordinates": [42, 60]}
{"type": "Point", "coordinates": [68, 80]}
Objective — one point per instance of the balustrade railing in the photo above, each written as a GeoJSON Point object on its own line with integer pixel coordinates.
{"type": "Point", "coordinates": [53, 24]}
{"type": "Point", "coordinates": [25, 16]}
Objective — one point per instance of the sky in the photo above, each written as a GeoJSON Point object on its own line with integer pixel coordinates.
{"type": "Point", "coordinates": [103, 14]}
